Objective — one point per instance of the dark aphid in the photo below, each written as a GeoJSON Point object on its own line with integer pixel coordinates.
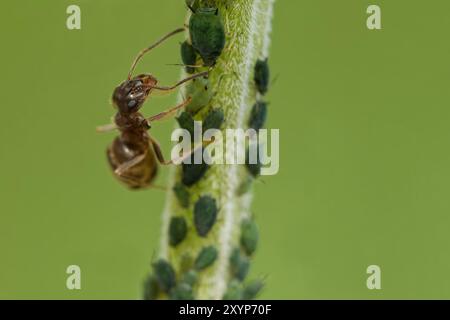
{"type": "Point", "coordinates": [252, 289]}
{"type": "Point", "coordinates": [249, 236]}
{"type": "Point", "coordinates": [190, 277]}
{"type": "Point", "coordinates": [192, 173]}
{"type": "Point", "coordinates": [213, 120]}
{"type": "Point", "coordinates": [206, 258]}
{"type": "Point", "coordinates": [262, 74]}
{"type": "Point", "coordinates": [239, 264]}
{"type": "Point", "coordinates": [165, 275]}
{"type": "Point", "coordinates": [177, 230]}
{"type": "Point", "coordinates": [205, 215]}
{"type": "Point", "coordinates": [234, 291]}
{"type": "Point", "coordinates": [258, 116]}
{"type": "Point", "coordinates": [151, 288]}
{"type": "Point", "coordinates": [188, 56]}
{"type": "Point", "coordinates": [207, 34]}
{"type": "Point", "coordinates": [182, 291]}
{"type": "Point", "coordinates": [186, 121]}
{"type": "Point", "coordinates": [253, 168]}
{"type": "Point", "coordinates": [242, 271]}
{"type": "Point", "coordinates": [182, 194]}
{"type": "Point", "coordinates": [200, 93]}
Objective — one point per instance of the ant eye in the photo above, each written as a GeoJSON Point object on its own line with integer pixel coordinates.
{"type": "Point", "coordinates": [132, 103]}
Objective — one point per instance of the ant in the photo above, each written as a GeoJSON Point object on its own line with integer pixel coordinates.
{"type": "Point", "coordinates": [134, 154]}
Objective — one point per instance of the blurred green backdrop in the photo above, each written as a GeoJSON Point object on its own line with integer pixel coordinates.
{"type": "Point", "coordinates": [364, 119]}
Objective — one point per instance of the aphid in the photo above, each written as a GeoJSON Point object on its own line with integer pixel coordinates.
{"type": "Point", "coordinates": [249, 236]}
{"type": "Point", "coordinates": [206, 258]}
{"type": "Point", "coordinates": [182, 194]}
{"type": "Point", "coordinates": [254, 168]}
{"type": "Point", "coordinates": [258, 116]}
{"type": "Point", "coordinates": [192, 173]}
{"type": "Point", "coordinates": [165, 275]}
{"type": "Point", "coordinates": [151, 288]}
{"type": "Point", "coordinates": [213, 120]}
{"type": "Point", "coordinates": [207, 33]}
{"type": "Point", "coordinates": [234, 291]}
{"type": "Point", "coordinates": [239, 264]}
{"type": "Point", "coordinates": [205, 215]}
{"type": "Point", "coordinates": [252, 289]}
{"type": "Point", "coordinates": [186, 121]}
{"type": "Point", "coordinates": [190, 277]}
{"type": "Point", "coordinates": [188, 56]}
{"type": "Point", "coordinates": [134, 155]}
{"type": "Point", "coordinates": [200, 93]}
{"type": "Point", "coordinates": [182, 291]}
{"type": "Point", "coordinates": [177, 230]}
{"type": "Point", "coordinates": [262, 74]}
{"type": "Point", "coordinates": [245, 186]}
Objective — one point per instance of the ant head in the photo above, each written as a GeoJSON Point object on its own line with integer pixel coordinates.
{"type": "Point", "coordinates": [129, 96]}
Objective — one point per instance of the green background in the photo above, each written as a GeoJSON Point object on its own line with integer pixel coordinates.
{"type": "Point", "coordinates": [364, 175]}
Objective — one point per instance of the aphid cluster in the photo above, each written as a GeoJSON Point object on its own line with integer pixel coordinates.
{"type": "Point", "coordinates": [240, 265]}
{"type": "Point", "coordinates": [240, 257]}
{"type": "Point", "coordinates": [204, 46]}
{"type": "Point", "coordinates": [202, 49]}
{"type": "Point", "coordinates": [258, 115]}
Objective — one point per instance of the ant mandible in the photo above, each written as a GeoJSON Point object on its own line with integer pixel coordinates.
{"type": "Point", "coordinates": [134, 154]}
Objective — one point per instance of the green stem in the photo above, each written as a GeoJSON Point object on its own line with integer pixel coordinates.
{"type": "Point", "coordinates": [247, 24]}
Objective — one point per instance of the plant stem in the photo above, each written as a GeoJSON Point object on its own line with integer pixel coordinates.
{"type": "Point", "coordinates": [247, 24]}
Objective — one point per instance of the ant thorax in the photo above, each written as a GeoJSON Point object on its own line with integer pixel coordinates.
{"type": "Point", "coordinates": [131, 122]}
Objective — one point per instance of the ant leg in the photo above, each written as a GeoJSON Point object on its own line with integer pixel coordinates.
{"type": "Point", "coordinates": [129, 164]}
{"type": "Point", "coordinates": [157, 43]}
{"type": "Point", "coordinates": [198, 75]}
{"type": "Point", "coordinates": [106, 128]}
{"type": "Point", "coordinates": [159, 155]}
{"type": "Point", "coordinates": [169, 112]}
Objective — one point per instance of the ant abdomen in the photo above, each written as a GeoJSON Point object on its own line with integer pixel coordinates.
{"type": "Point", "coordinates": [137, 175]}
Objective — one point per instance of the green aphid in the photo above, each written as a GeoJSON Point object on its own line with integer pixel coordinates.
{"type": "Point", "coordinates": [190, 277]}
{"type": "Point", "coordinates": [177, 230]}
{"type": "Point", "coordinates": [245, 186]}
{"type": "Point", "coordinates": [185, 121]}
{"type": "Point", "coordinates": [165, 275]}
{"type": "Point", "coordinates": [213, 120]}
{"type": "Point", "coordinates": [258, 116]}
{"type": "Point", "coordinates": [254, 168]}
{"type": "Point", "coordinates": [262, 75]}
{"type": "Point", "coordinates": [239, 264]}
{"type": "Point", "coordinates": [207, 34]}
{"type": "Point", "coordinates": [206, 258]}
{"type": "Point", "coordinates": [182, 291]}
{"type": "Point", "coordinates": [234, 291]}
{"type": "Point", "coordinates": [200, 93]}
{"type": "Point", "coordinates": [151, 288]}
{"type": "Point", "coordinates": [252, 289]}
{"type": "Point", "coordinates": [249, 236]}
{"type": "Point", "coordinates": [205, 215]}
{"type": "Point", "coordinates": [188, 56]}
{"type": "Point", "coordinates": [192, 173]}
{"type": "Point", "coordinates": [182, 194]}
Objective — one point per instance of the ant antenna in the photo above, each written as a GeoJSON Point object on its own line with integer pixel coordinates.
{"type": "Point", "coordinates": [198, 75]}
{"type": "Point", "coordinates": [157, 43]}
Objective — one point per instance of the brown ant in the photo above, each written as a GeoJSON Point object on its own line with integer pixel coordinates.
{"type": "Point", "coordinates": [134, 154]}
